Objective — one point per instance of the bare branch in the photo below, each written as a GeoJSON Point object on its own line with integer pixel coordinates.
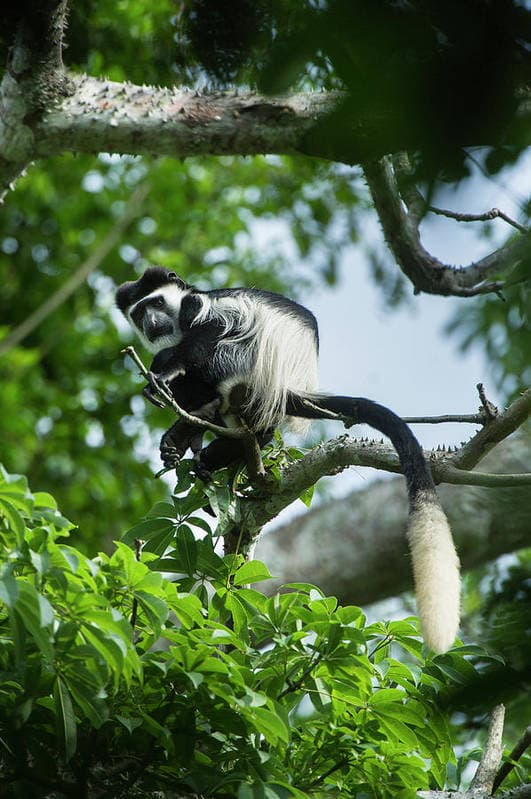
{"type": "Point", "coordinates": [93, 115]}
{"type": "Point", "coordinates": [514, 756]}
{"type": "Point", "coordinates": [426, 272]}
{"type": "Point", "coordinates": [494, 213]}
{"type": "Point", "coordinates": [446, 473]}
{"type": "Point", "coordinates": [94, 260]}
{"type": "Point", "coordinates": [450, 467]}
{"type": "Point", "coordinates": [466, 418]}
{"type": "Point", "coordinates": [520, 792]}
{"type": "Point", "coordinates": [483, 779]}
{"type": "Point", "coordinates": [495, 431]}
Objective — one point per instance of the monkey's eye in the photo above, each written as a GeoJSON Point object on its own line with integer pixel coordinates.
{"type": "Point", "coordinates": [158, 302]}
{"type": "Point", "coordinates": [172, 275]}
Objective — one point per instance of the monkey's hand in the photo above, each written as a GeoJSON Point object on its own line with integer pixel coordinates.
{"type": "Point", "coordinates": [152, 391]}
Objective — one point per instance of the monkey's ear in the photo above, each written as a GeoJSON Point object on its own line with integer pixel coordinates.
{"type": "Point", "coordinates": [172, 276]}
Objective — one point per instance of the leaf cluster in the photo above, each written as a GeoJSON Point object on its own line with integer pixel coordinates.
{"type": "Point", "coordinates": [120, 680]}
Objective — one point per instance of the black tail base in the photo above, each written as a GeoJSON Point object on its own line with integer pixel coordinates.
{"type": "Point", "coordinates": [358, 410]}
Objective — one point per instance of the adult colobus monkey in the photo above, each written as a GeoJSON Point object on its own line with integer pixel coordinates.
{"type": "Point", "coordinates": [261, 348]}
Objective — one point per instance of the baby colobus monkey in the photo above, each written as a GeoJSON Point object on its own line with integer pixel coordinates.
{"type": "Point", "coordinates": [254, 353]}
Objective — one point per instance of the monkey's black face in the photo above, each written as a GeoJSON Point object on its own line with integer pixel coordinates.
{"type": "Point", "coordinates": [153, 318]}
{"type": "Point", "coordinates": [153, 306]}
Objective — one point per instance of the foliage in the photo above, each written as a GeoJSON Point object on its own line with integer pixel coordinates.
{"type": "Point", "coordinates": [202, 684]}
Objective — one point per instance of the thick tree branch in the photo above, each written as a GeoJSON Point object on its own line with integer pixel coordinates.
{"type": "Point", "coordinates": [90, 115]}
{"type": "Point", "coordinates": [495, 431]}
{"type": "Point", "coordinates": [34, 78]}
{"type": "Point", "coordinates": [426, 272]}
{"type": "Point", "coordinates": [355, 548]}
{"type": "Point", "coordinates": [483, 779]}
{"type": "Point", "coordinates": [334, 456]}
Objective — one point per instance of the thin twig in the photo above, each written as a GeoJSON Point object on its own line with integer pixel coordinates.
{"type": "Point", "coordinates": [447, 473]}
{"type": "Point", "coordinates": [113, 237]}
{"type": "Point", "coordinates": [515, 755]}
{"type": "Point", "coordinates": [470, 418]}
{"type": "Point", "coordinates": [483, 779]}
{"type": "Point", "coordinates": [340, 763]}
{"type": "Point", "coordinates": [494, 213]}
{"type": "Point", "coordinates": [488, 408]}
{"type": "Point", "coordinates": [228, 432]}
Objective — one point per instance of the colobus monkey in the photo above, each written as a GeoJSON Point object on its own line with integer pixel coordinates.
{"type": "Point", "coordinates": [257, 351]}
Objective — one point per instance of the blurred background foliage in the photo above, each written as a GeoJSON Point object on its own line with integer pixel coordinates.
{"type": "Point", "coordinates": [71, 416]}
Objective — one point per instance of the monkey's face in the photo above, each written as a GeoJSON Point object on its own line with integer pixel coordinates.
{"type": "Point", "coordinates": [152, 304]}
{"type": "Point", "coordinates": [156, 317]}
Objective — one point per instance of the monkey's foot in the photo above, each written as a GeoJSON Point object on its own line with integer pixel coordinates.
{"type": "Point", "coordinates": [202, 472]}
{"type": "Point", "coordinates": [174, 444]}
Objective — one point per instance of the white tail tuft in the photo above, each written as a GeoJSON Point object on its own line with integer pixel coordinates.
{"type": "Point", "coordinates": [436, 571]}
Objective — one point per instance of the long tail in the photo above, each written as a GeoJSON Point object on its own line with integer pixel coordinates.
{"type": "Point", "coordinates": [435, 561]}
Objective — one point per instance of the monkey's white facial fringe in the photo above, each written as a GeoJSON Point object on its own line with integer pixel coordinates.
{"type": "Point", "coordinates": [173, 296]}
{"type": "Point", "coordinates": [270, 351]}
{"type": "Point", "coordinates": [436, 571]}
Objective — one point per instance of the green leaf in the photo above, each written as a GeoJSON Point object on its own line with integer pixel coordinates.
{"type": "Point", "coordinates": [111, 647]}
{"type": "Point", "coordinates": [398, 731]}
{"type": "Point", "coordinates": [189, 610]}
{"type": "Point", "coordinates": [307, 496]}
{"type": "Point", "coordinates": [148, 530]}
{"type": "Point", "coordinates": [387, 695]}
{"type": "Point", "coordinates": [186, 547]}
{"type": "Point", "coordinates": [155, 609]}
{"type": "Point", "coordinates": [36, 615]}
{"type": "Point", "coordinates": [238, 613]}
{"type": "Point", "coordinates": [251, 572]}
{"type": "Point", "coordinates": [87, 691]}
{"type": "Point", "coordinates": [130, 723]}
{"type": "Point", "coordinates": [14, 520]}
{"type": "Point", "coordinates": [44, 500]}
{"type": "Point", "coordinates": [8, 590]}
{"type": "Point", "coordinates": [66, 718]}
{"type": "Point", "coordinates": [269, 724]}
{"type": "Point", "coordinates": [209, 563]}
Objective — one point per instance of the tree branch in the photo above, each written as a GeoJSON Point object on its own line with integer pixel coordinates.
{"type": "Point", "coordinates": [354, 547]}
{"type": "Point", "coordinates": [520, 792]}
{"type": "Point", "coordinates": [483, 779]}
{"type": "Point", "coordinates": [426, 272]}
{"type": "Point", "coordinates": [85, 114]}
{"type": "Point", "coordinates": [33, 79]}
{"type": "Point", "coordinates": [333, 456]}
{"type": "Point", "coordinates": [494, 213]}
{"type": "Point", "coordinates": [492, 433]}
{"type": "Point", "coordinates": [228, 432]}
